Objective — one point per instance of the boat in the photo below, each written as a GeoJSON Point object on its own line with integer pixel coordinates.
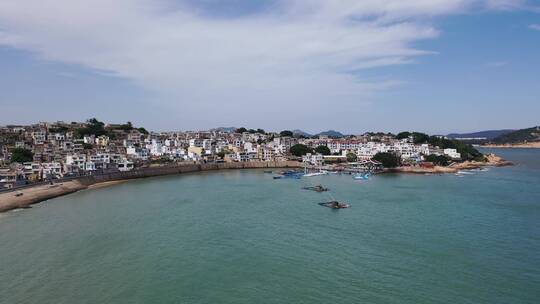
{"type": "Point", "coordinates": [335, 205]}
{"type": "Point", "coordinates": [267, 171]}
{"type": "Point", "coordinates": [318, 188]}
{"type": "Point", "coordinates": [361, 176]}
{"type": "Point", "coordinates": [313, 174]}
{"type": "Point", "coordinates": [295, 175]}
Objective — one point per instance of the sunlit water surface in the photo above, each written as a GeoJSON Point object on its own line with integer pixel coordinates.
{"type": "Point", "coordinates": [242, 237]}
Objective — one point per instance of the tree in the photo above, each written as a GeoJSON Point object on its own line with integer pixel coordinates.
{"type": "Point", "coordinates": [261, 131]}
{"type": "Point", "coordinates": [351, 157]}
{"type": "Point", "coordinates": [420, 138]}
{"type": "Point", "coordinates": [286, 133]}
{"type": "Point", "coordinates": [127, 126]}
{"type": "Point", "coordinates": [93, 126]}
{"type": "Point", "coordinates": [240, 130]}
{"type": "Point", "coordinates": [300, 150]}
{"type": "Point", "coordinates": [21, 155]}
{"type": "Point", "coordinates": [439, 160]}
{"type": "Point", "coordinates": [388, 160]}
{"type": "Point", "coordinates": [324, 150]}
{"type": "Point", "coordinates": [403, 135]}
{"type": "Point", "coordinates": [142, 130]}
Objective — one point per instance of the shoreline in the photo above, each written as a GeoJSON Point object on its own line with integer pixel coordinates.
{"type": "Point", "coordinates": [28, 196]}
{"type": "Point", "coordinates": [24, 198]}
{"type": "Point", "coordinates": [533, 145]}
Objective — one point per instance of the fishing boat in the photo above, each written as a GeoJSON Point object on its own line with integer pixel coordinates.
{"type": "Point", "coordinates": [289, 174]}
{"type": "Point", "coordinates": [361, 176]}
{"type": "Point", "coordinates": [318, 188]}
{"type": "Point", "coordinates": [335, 205]}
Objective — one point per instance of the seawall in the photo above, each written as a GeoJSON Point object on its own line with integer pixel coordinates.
{"type": "Point", "coordinates": [25, 197]}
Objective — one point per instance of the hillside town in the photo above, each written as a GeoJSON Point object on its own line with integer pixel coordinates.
{"type": "Point", "coordinates": [51, 151]}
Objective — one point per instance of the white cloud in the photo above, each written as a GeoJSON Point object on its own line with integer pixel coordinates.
{"type": "Point", "coordinates": [298, 52]}
{"type": "Point", "coordinates": [535, 27]}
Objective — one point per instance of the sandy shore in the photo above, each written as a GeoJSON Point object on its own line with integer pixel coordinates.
{"type": "Point", "coordinates": [28, 196]}
{"type": "Point", "coordinates": [106, 184]}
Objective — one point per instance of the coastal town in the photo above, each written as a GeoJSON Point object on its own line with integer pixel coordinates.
{"type": "Point", "coordinates": [55, 151]}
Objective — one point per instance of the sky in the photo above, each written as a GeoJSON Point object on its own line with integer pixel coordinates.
{"type": "Point", "coordinates": [436, 66]}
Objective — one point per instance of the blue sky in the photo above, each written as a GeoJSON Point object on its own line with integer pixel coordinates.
{"type": "Point", "coordinates": [436, 66]}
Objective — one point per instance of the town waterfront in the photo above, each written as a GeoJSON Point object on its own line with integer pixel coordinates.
{"type": "Point", "coordinates": [242, 237]}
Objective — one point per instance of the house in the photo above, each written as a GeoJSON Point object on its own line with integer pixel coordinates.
{"type": "Point", "coordinates": [313, 159]}
{"type": "Point", "coordinates": [452, 153]}
{"type": "Point", "coordinates": [125, 166]}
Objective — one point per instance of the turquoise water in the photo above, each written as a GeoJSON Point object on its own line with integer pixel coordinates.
{"type": "Point", "coordinates": [242, 237]}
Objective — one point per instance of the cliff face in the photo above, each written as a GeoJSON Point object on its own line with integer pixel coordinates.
{"type": "Point", "coordinates": [25, 197]}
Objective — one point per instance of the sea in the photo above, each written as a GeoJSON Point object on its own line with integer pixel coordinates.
{"type": "Point", "coordinates": [240, 236]}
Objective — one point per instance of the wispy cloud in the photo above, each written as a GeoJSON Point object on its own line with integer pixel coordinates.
{"type": "Point", "coordinates": [290, 53]}
{"type": "Point", "coordinates": [535, 27]}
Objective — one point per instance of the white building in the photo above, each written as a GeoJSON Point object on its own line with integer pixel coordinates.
{"type": "Point", "coordinates": [452, 153]}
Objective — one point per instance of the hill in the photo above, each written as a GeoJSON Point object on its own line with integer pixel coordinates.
{"type": "Point", "coordinates": [331, 133]}
{"type": "Point", "coordinates": [482, 135]}
{"type": "Point", "coordinates": [298, 132]}
{"type": "Point", "coordinates": [519, 136]}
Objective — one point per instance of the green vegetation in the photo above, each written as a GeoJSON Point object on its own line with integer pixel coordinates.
{"type": "Point", "coordinates": [403, 135]}
{"type": "Point", "coordinates": [351, 157]}
{"type": "Point", "coordinates": [324, 150]}
{"type": "Point", "coordinates": [388, 160]}
{"type": "Point", "coordinates": [439, 160]}
{"type": "Point", "coordinates": [300, 150]}
{"type": "Point", "coordinates": [420, 138]}
{"type": "Point", "coordinates": [286, 133]}
{"type": "Point", "coordinates": [21, 155]}
{"type": "Point", "coordinates": [519, 136]}
{"type": "Point", "coordinates": [60, 129]}
{"type": "Point", "coordinates": [240, 130]}
{"type": "Point", "coordinates": [97, 128]}
{"type": "Point", "coordinates": [93, 126]}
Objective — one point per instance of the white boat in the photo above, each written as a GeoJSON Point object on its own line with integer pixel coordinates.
{"type": "Point", "coordinates": [361, 176]}
{"type": "Point", "coordinates": [314, 174]}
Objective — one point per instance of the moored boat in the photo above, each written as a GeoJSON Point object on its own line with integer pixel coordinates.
{"type": "Point", "coordinates": [335, 205]}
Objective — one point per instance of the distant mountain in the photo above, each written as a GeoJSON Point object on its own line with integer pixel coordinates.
{"type": "Point", "coordinates": [298, 132]}
{"type": "Point", "coordinates": [519, 136]}
{"type": "Point", "coordinates": [331, 133]}
{"type": "Point", "coordinates": [224, 129]}
{"type": "Point", "coordinates": [486, 135]}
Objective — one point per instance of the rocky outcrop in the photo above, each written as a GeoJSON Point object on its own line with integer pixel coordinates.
{"type": "Point", "coordinates": [492, 160]}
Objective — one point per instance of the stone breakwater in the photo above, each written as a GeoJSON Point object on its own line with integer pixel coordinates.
{"type": "Point", "coordinates": [31, 195]}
